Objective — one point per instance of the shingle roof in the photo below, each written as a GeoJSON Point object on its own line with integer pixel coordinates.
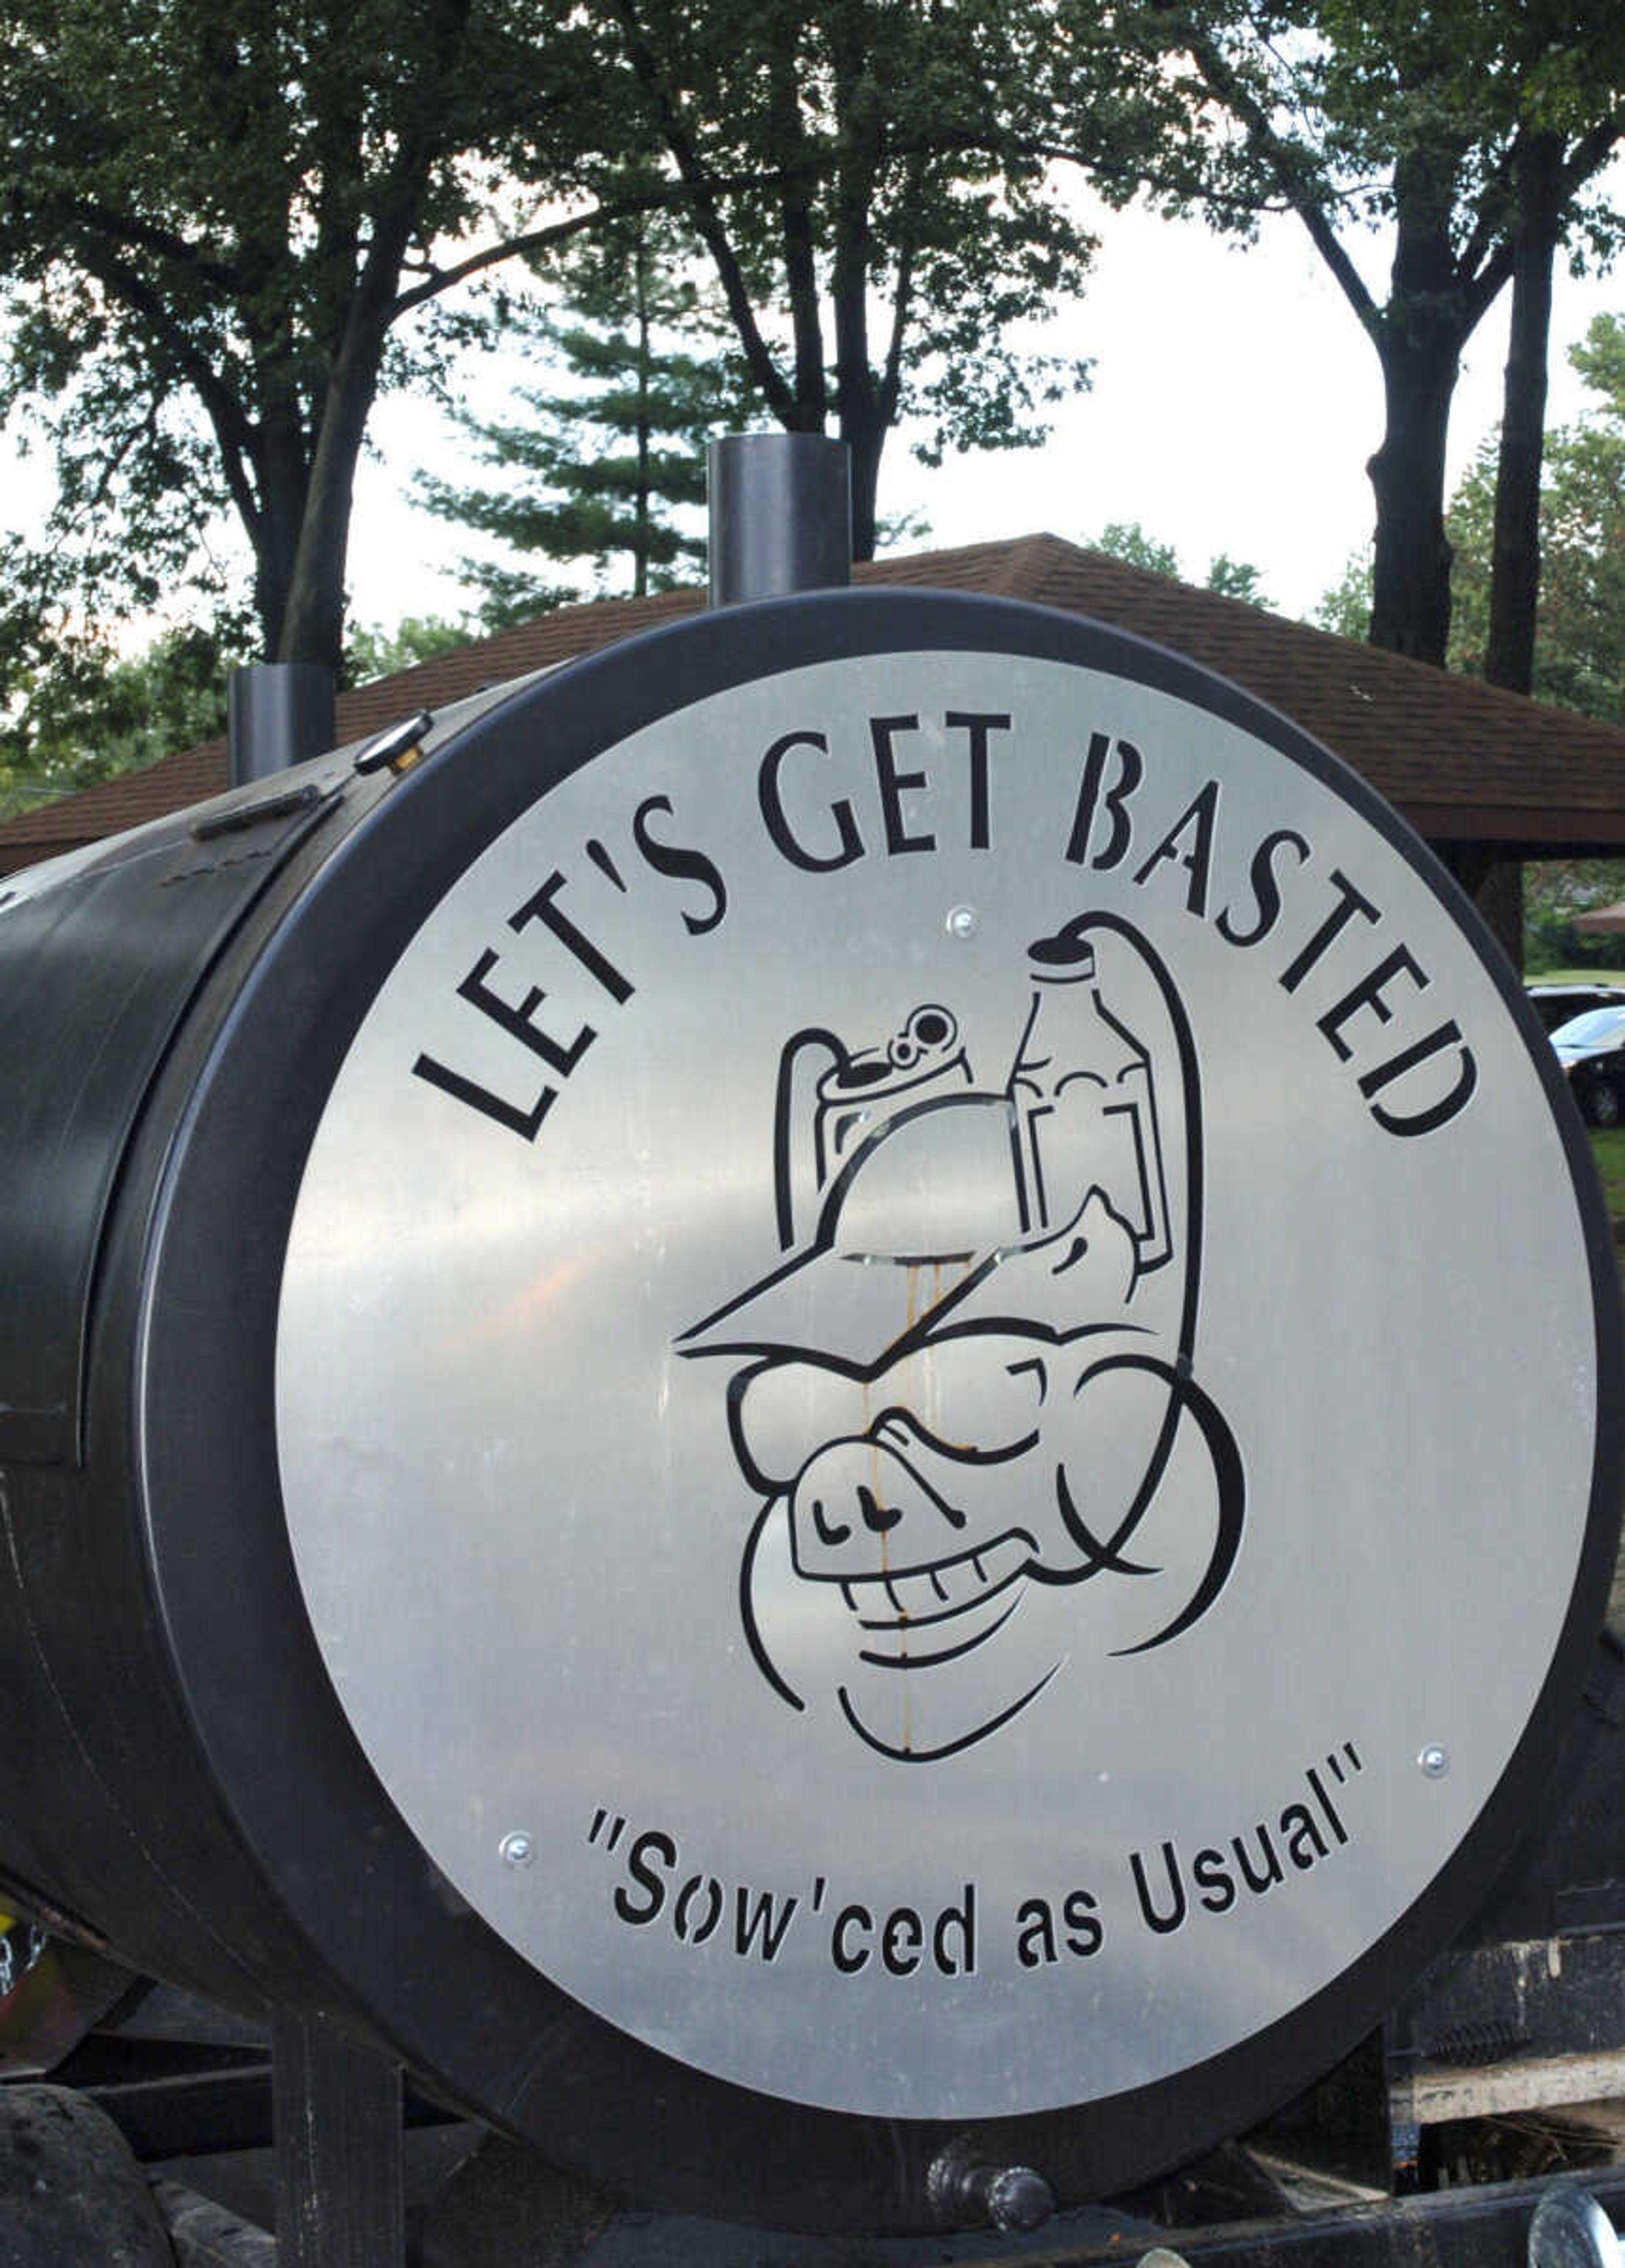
{"type": "Point", "coordinates": [1463, 761]}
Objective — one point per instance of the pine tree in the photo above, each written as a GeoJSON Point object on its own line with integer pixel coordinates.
{"type": "Point", "coordinates": [593, 476]}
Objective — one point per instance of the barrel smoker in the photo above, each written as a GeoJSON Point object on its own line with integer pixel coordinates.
{"type": "Point", "coordinates": [830, 1408]}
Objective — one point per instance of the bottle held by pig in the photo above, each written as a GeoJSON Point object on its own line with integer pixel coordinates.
{"type": "Point", "coordinates": [1085, 1104]}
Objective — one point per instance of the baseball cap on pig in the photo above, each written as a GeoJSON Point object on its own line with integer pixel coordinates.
{"type": "Point", "coordinates": [919, 1214]}
{"type": "Point", "coordinates": [944, 1205]}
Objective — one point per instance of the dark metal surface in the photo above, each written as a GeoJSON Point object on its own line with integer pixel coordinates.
{"type": "Point", "coordinates": [1568, 1872]}
{"type": "Point", "coordinates": [95, 975]}
{"type": "Point", "coordinates": [173, 2099]}
{"type": "Point", "coordinates": [340, 2202]}
{"type": "Point", "coordinates": [781, 515]}
{"type": "Point", "coordinates": [1539, 1972]}
{"type": "Point", "coordinates": [190, 2113]}
{"type": "Point", "coordinates": [277, 713]}
{"type": "Point", "coordinates": [204, 2234]}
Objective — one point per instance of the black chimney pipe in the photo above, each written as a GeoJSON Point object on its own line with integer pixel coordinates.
{"type": "Point", "coordinates": [781, 513]}
{"type": "Point", "coordinates": [277, 713]}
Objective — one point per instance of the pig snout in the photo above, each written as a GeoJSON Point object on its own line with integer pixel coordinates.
{"type": "Point", "coordinates": [857, 1510]}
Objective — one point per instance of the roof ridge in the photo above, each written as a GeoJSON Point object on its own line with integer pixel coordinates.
{"type": "Point", "coordinates": [1023, 552]}
{"type": "Point", "coordinates": [1060, 548]}
{"type": "Point", "coordinates": [1430, 740]}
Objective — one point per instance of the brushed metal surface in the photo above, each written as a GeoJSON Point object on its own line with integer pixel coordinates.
{"type": "Point", "coordinates": [702, 1518]}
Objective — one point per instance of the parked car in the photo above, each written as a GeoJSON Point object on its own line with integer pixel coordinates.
{"type": "Point", "coordinates": [1591, 1050]}
{"type": "Point", "coordinates": [1558, 1004]}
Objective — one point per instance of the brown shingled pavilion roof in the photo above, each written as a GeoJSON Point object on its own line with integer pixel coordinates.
{"type": "Point", "coordinates": [1464, 762]}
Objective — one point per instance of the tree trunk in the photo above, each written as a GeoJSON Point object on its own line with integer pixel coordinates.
{"type": "Point", "coordinates": [313, 626]}
{"type": "Point", "coordinates": [1515, 565]}
{"type": "Point", "coordinates": [1418, 338]}
{"type": "Point", "coordinates": [313, 620]}
{"type": "Point", "coordinates": [282, 477]}
{"type": "Point", "coordinates": [1411, 573]}
{"type": "Point", "coordinates": [642, 513]}
{"type": "Point", "coordinates": [866, 438]}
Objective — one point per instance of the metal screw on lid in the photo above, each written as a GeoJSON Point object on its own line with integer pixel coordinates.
{"type": "Point", "coordinates": [966, 2192]}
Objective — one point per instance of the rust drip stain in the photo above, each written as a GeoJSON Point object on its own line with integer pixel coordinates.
{"type": "Point", "coordinates": [905, 1735]}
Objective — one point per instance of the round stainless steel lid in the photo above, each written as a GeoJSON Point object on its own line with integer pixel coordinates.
{"type": "Point", "coordinates": [938, 1392]}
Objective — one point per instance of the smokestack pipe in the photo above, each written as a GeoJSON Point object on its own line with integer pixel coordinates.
{"type": "Point", "coordinates": [781, 514]}
{"type": "Point", "coordinates": [277, 713]}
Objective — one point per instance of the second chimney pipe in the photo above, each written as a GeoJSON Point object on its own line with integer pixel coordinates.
{"type": "Point", "coordinates": [277, 714]}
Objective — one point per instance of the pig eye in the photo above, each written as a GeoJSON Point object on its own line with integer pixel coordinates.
{"type": "Point", "coordinates": [780, 1412]}
{"type": "Point", "coordinates": [965, 1398]}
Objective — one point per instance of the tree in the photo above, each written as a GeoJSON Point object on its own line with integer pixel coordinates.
{"type": "Point", "coordinates": [372, 651]}
{"type": "Point", "coordinates": [1236, 579]}
{"type": "Point", "coordinates": [916, 223]}
{"type": "Point", "coordinates": [1436, 122]}
{"type": "Point", "coordinates": [1127, 540]}
{"type": "Point", "coordinates": [1579, 648]}
{"type": "Point", "coordinates": [1346, 608]}
{"type": "Point", "coordinates": [1585, 53]}
{"type": "Point", "coordinates": [1577, 653]}
{"type": "Point", "coordinates": [92, 713]}
{"type": "Point", "coordinates": [595, 474]}
{"type": "Point", "coordinates": [218, 221]}
{"type": "Point", "coordinates": [1232, 578]}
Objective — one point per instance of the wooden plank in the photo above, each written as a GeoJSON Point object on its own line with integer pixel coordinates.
{"type": "Point", "coordinates": [1432, 2093]}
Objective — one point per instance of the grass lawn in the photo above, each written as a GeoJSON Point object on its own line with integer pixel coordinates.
{"type": "Point", "coordinates": [1579, 976]}
{"type": "Point", "coordinates": [1608, 1149]}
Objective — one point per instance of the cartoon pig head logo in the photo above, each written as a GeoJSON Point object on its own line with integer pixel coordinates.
{"type": "Point", "coordinates": [967, 1401]}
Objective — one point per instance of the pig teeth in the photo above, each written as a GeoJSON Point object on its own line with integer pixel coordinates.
{"type": "Point", "coordinates": [912, 1595]}
{"type": "Point", "coordinates": [934, 1594]}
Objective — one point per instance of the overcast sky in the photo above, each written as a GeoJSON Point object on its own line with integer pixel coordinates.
{"type": "Point", "coordinates": [1235, 401]}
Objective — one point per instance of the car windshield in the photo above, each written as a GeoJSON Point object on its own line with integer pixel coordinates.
{"type": "Point", "coordinates": [1591, 1029]}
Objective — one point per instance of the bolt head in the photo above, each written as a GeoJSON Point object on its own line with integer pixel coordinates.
{"type": "Point", "coordinates": [1019, 2199]}
{"type": "Point", "coordinates": [516, 1849]}
{"type": "Point", "coordinates": [963, 922]}
{"type": "Point", "coordinates": [1434, 1761]}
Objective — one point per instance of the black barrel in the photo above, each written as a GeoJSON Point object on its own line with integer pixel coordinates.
{"type": "Point", "coordinates": [180, 1779]}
